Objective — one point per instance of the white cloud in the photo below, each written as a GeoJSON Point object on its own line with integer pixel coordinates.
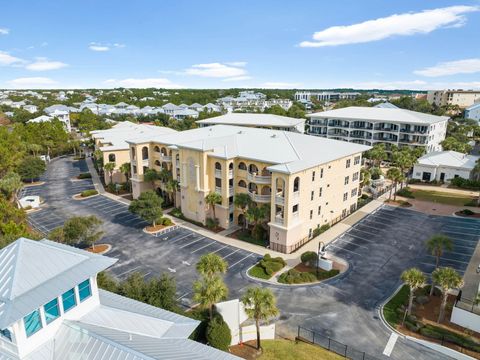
{"type": "Point", "coordinates": [4, 31]}
{"type": "Point", "coordinates": [7, 59]}
{"type": "Point", "coordinates": [405, 24]}
{"type": "Point", "coordinates": [217, 70]}
{"type": "Point", "coordinates": [237, 63]}
{"type": "Point", "coordinates": [118, 45]}
{"type": "Point", "coordinates": [280, 85]}
{"type": "Point", "coordinates": [32, 83]}
{"type": "Point", "coordinates": [43, 64]}
{"type": "Point", "coordinates": [466, 66]}
{"type": "Point", "coordinates": [238, 78]}
{"type": "Point", "coordinates": [95, 47]}
{"type": "Point", "coordinates": [143, 83]}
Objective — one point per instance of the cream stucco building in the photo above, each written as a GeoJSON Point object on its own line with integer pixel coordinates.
{"type": "Point", "coordinates": [461, 98]}
{"type": "Point", "coordinates": [112, 143]}
{"type": "Point", "coordinates": [306, 180]}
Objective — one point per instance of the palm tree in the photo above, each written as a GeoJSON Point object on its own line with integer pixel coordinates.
{"type": "Point", "coordinates": [164, 176]}
{"type": "Point", "coordinates": [260, 304]}
{"type": "Point", "coordinates": [415, 279]}
{"type": "Point", "coordinates": [172, 187]}
{"type": "Point", "coordinates": [125, 169]}
{"type": "Point", "coordinates": [404, 160]}
{"type": "Point", "coordinates": [377, 154]}
{"type": "Point", "coordinates": [10, 184]}
{"type": "Point", "coordinates": [366, 177]}
{"type": "Point", "coordinates": [212, 199]}
{"type": "Point", "coordinates": [208, 291]}
{"type": "Point", "coordinates": [448, 279]}
{"type": "Point", "coordinates": [109, 167]}
{"type": "Point", "coordinates": [395, 175]}
{"type": "Point", "coordinates": [211, 264]}
{"type": "Point", "coordinates": [151, 175]}
{"type": "Point", "coordinates": [242, 201]}
{"type": "Point", "coordinates": [436, 245]}
{"type": "Point", "coordinates": [256, 215]}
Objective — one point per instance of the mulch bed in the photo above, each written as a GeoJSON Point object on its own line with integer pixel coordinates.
{"type": "Point", "coordinates": [476, 215]}
{"type": "Point", "coordinates": [98, 249]}
{"type": "Point", "coordinates": [153, 229]}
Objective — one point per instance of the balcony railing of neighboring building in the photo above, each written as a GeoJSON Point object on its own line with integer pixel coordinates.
{"type": "Point", "coordinates": [231, 207]}
{"type": "Point", "coordinates": [296, 195]}
{"type": "Point", "coordinates": [8, 346]}
{"type": "Point", "coordinates": [230, 190]}
{"type": "Point", "coordinates": [259, 179]}
{"type": "Point", "coordinates": [360, 136]}
{"type": "Point", "coordinates": [279, 198]}
{"type": "Point", "coordinates": [413, 131]}
{"type": "Point", "coordinates": [259, 198]}
{"type": "Point", "coordinates": [145, 162]}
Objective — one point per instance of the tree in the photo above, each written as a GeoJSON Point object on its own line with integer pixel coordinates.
{"type": "Point", "coordinates": [172, 187]}
{"type": "Point", "coordinates": [260, 304]}
{"type": "Point", "coordinates": [148, 206]}
{"type": "Point", "coordinates": [10, 184]}
{"type": "Point", "coordinates": [404, 159]}
{"type": "Point", "coordinates": [377, 153]}
{"type": "Point", "coordinates": [448, 279]}
{"type": "Point", "coordinates": [211, 264]}
{"type": "Point", "coordinates": [415, 279]}
{"type": "Point", "coordinates": [451, 143]}
{"type": "Point", "coordinates": [218, 333]}
{"type": "Point", "coordinates": [35, 149]}
{"type": "Point", "coordinates": [208, 291]}
{"type": "Point", "coordinates": [31, 168]}
{"type": "Point", "coordinates": [395, 175]}
{"type": "Point", "coordinates": [125, 169]}
{"type": "Point", "coordinates": [309, 257]}
{"type": "Point", "coordinates": [82, 230]}
{"type": "Point", "coordinates": [109, 168]}
{"type": "Point", "coordinates": [162, 291]}
{"type": "Point", "coordinates": [476, 176]}
{"type": "Point", "coordinates": [436, 245]}
{"type": "Point", "coordinates": [150, 175]}
{"type": "Point", "coordinates": [256, 215]}
{"type": "Point", "coordinates": [365, 177]}
{"type": "Point", "coordinates": [212, 199]}
{"type": "Point", "coordinates": [242, 201]}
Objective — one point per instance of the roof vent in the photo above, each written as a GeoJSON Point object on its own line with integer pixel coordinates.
{"type": "Point", "coordinates": [274, 136]}
{"type": "Point", "coordinates": [240, 132]}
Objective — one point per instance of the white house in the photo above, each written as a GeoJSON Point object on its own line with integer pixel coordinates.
{"type": "Point", "coordinates": [52, 308]}
{"type": "Point", "coordinates": [30, 108]}
{"type": "Point", "coordinates": [60, 115]}
{"type": "Point", "coordinates": [444, 166]}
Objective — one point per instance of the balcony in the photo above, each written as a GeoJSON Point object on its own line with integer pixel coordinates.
{"type": "Point", "coordinates": [218, 173]}
{"type": "Point", "coordinates": [231, 207]}
{"type": "Point", "coordinates": [413, 131]}
{"type": "Point", "coordinates": [296, 195]}
{"type": "Point", "coordinates": [145, 162]}
{"type": "Point", "coordinates": [166, 158]}
{"type": "Point", "coordinates": [279, 199]}
{"type": "Point", "coordinates": [279, 219]}
{"type": "Point", "coordinates": [218, 189]}
{"type": "Point", "coordinates": [230, 174]}
{"type": "Point", "coordinates": [259, 179]}
{"type": "Point", "coordinates": [259, 198]}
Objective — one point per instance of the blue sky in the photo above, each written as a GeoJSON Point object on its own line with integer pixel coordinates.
{"type": "Point", "coordinates": [223, 44]}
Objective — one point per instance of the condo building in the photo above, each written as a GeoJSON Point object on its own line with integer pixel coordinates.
{"type": "Point", "coordinates": [328, 96]}
{"type": "Point", "coordinates": [461, 98]}
{"type": "Point", "coordinates": [307, 181]}
{"type": "Point", "coordinates": [373, 125]}
{"type": "Point", "coordinates": [52, 308]}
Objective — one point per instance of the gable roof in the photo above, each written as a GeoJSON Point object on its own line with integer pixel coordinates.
{"type": "Point", "coordinates": [33, 272]}
{"type": "Point", "coordinates": [380, 114]}
{"type": "Point", "coordinates": [253, 119]}
{"type": "Point", "coordinates": [450, 159]}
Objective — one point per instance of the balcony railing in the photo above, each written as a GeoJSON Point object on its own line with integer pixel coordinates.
{"type": "Point", "coordinates": [218, 173]}
{"type": "Point", "coordinates": [231, 208]}
{"type": "Point", "coordinates": [166, 158]}
{"type": "Point", "coordinates": [145, 162]}
{"type": "Point", "coordinates": [296, 195]}
{"type": "Point", "coordinates": [230, 190]}
{"type": "Point", "coordinates": [230, 174]}
{"type": "Point", "coordinates": [218, 189]}
{"type": "Point", "coordinates": [259, 198]}
{"type": "Point", "coordinates": [279, 199]}
{"type": "Point", "coordinates": [279, 219]}
{"type": "Point", "coordinates": [259, 179]}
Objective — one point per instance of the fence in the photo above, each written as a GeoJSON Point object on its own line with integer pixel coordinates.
{"type": "Point", "coordinates": [472, 306]}
{"type": "Point", "coordinates": [330, 344]}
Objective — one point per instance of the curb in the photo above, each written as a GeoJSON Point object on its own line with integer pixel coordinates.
{"type": "Point", "coordinates": [85, 198]}
{"type": "Point", "coordinates": [161, 231]}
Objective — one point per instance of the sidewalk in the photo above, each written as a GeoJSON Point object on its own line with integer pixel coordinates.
{"type": "Point", "coordinates": [443, 189]}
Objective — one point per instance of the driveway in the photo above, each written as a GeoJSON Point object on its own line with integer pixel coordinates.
{"type": "Point", "coordinates": [378, 249]}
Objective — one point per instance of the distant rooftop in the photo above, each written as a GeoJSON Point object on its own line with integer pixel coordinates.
{"type": "Point", "coordinates": [253, 119]}
{"type": "Point", "coordinates": [449, 158]}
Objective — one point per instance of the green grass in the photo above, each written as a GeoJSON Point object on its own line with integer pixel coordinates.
{"type": "Point", "coordinates": [442, 197]}
{"type": "Point", "coordinates": [259, 272]}
{"type": "Point", "coordinates": [390, 313]}
{"type": "Point", "coordinates": [289, 350]}
{"type": "Point", "coordinates": [245, 235]}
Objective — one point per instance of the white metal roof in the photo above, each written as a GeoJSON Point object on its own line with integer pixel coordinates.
{"type": "Point", "coordinates": [289, 152]}
{"type": "Point", "coordinates": [379, 114]}
{"type": "Point", "coordinates": [450, 159]}
{"type": "Point", "coordinates": [252, 119]}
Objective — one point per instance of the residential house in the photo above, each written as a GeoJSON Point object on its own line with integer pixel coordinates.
{"type": "Point", "coordinates": [444, 166]}
{"type": "Point", "coordinates": [473, 112]}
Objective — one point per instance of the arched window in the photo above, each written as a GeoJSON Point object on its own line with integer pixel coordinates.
{"type": "Point", "coordinates": [242, 184]}
{"type": "Point", "coordinates": [164, 151]}
{"type": "Point", "coordinates": [266, 190]}
{"type": "Point", "coordinates": [133, 153]}
{"type": "Point", "coordinates": [157, 163]}
{"type": "Point", "coordinates": [218, 166]}
{"type": "Point", "coordinates": [265, 172]}
{"type": "Point", "coordinates": [111, 158]}
{"type": "Point", "coordinates": [280, 185]}
{"type": "Point", "coordinates": [296, 184]}
{"type": "Point", "coordinates": [242, 166]}
{"type": "Point", "coordinates": [230, 166]}
{"type": "Point", "coordinates": [253, 168]}
{"type": "Point", "coordinates": [252, 187]}
{"type": "Point", "coordinates": [156, 149]}
{"type": "Point", "coordinates": [145, 153]}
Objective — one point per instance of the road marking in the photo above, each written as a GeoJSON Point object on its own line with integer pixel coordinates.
{"type": "Point", "coordinates": [181, 297]}
{"type": "Point", "coordinates": [223, 247]}
{"type": "Point", "coordinates": [172, 270]}
{"type": "Point", "coordinates": [128, 271]}
{"type": "Point", "coordinates": [209, 244]}
{"type": "Point", "coordinates": [390, 344]}
{"type": "Point", "coordinates": [231, 254]}
{"type": "Point", "coordinates": [181, 238]}
{"type": "Point", "coordinates": [240, 260]}
{"type": "Point", "coordinates": [193, 242]}
{"type": "Point", "coordinates": [341, 248]}
{"type": "Point", "coordinates": [186, 263]}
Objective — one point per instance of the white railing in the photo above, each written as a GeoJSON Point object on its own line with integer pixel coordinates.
{"type": "Point", "coordinates": [166, 158]}
{"type": "Point", "coordinates": [279, 219]}
{"type": "Point", "coordinates": [279, 199]}
{"type": "Point", "coordinates": [230, 174]}
{"type": "Point", "coordinates": [259, 179]}
{"type": "Point", "coordinates": [218, 189]}
{"type": "Point", "coordinates": [8, 346]}
{"type": "Point", "coordinates": [259, 198]}
{"type": "Point", "coordinates": [230, 190]}
{"type": "Point", "coordinates": [218, 173]}
{"type": "Point", "coordinates": [296, 195]}
{"type": "Point", "coordinates": [145, 162]}
{"type": "Point", "coordinates": [231, 208]}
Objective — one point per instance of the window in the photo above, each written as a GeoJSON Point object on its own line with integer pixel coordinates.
{"type": "Point", "coordinates": [346, 180]}
{"type": "Point", "coordinates": [68, 300]}
{"type": "Point", "coordinates": [320, 193]}
{"type": "Point", "coordinates": [348, 163]}
{"type": "Point", "coordinates": [295, 208]}
{"type": "Point", "coordinates": [242, 184]}
{"type": "Point", "coordinates": [312, 195]}
{"type": "Point", "coordinates": [84, 290]}
{"type": "Point", "coordinates": [313, 175]}
{"type": "Point", "coordinates": [310, 233]}
{"type": "Point", "coordinates": [354, 192]}
{"type": "Point", "coordinates": [5, 333]}
{"type": "Point", "coordinates": [111, 157]}
{"type": "Point", "coordinates": [134, 169]}
{"type": "Point", "coordinates": [51, 311]}
{"type": "Point", "coordinates": [242, 166]}
{"type": "Point", "coordinates": [296, 184]}
{"type": "Point", "coordinates": [355, 176]}
{"type": "Point", "coordinates": [311, 214]}
{"type": "Point", "coordinates": [32, 323]}
{"type": "Point", "coordinates": [345, 196]}
{"type": "Point", "coordinates": [321, 173]}
{"type": "Point", "coordinates": [319, 210]}
{"type": "Point", "coordinates": [356, 160]}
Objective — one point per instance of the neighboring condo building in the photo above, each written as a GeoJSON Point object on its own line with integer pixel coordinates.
{"type": "Point", "coordinates": [461, 98]}
{"type": "Point", "coordinates": [52, 308]}
{"type": "Point", "coordinates": [114, 147]}
{"type": "Point", "coordinates": [327, 96]}
{"type": "Point", "coordinates": [265, 121]}
{"type": "Point", "coordinates": [473, 112]}
{"type": "Point", "coordinates": [373, 125]}
{"type": "Point", "coordinates": [307, 181]}
{"type": "Point", "coordinates": [444, 166]}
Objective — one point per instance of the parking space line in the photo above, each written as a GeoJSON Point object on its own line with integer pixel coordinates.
{"type": "Point", "coordinates": [240, 260]}
{"type": "Point", "coordinates": [203, 247]}
{"type": "Point", "coordinates": [352, 243]}
{"type": "Point", "coordinates": [193, 242]}
{"type": "Point", "coordinates": [128, 271]}
{"type": "Point", "coordinates": [449, 259]}
{"type": "Point", "coordinates": [230, 254]}
{"type": "Point", "coordinates": [181, 238]}
{"type": "Point", "coordinates": [223, 247]}
{"type": "Point", "coordinates": [390, 344]}
{"type": "Point", "coordinates": [341, 248]}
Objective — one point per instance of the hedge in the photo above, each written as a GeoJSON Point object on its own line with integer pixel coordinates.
{"type": "Point", "coordinates": [293, 276]}
{"type": "Point", "coordinates": [465, 183]}
{"type": "Point", "coordinates": [85, 176]}
{"type": "Point", "coordinates": [87, 193]}
{"type": "Point", "coordinates": [438, 333]}
{"type": "Point", "coordinates": [390, 310]}
{"type": "Point", "coordinates": [218, 333]}
{"type": "Point", "coordinates": [266, 267]}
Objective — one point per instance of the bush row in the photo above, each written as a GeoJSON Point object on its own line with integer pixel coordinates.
{"type": "Point", "coordinates": [293, 276]}
{"type": "Point", "coordinates": [178, 214]}
{"type": "Point", "coordinates": [266, 267]}
{"type": "Point", "coordinates": [87, 193]}
{"type": "Point", "coordinates": [85, 176]}
{"type": "Point", "coordinates": [406, 192]}
{"type": "Point", "coordinates": [320, 230]}
{"type": "Point", "coordinates": [466, 183]}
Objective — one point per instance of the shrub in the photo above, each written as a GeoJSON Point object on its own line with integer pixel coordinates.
{"type": "Point", "coordinates": [176, 212]}
{"type": "Point", "coordinates": [87, 193]}
{"type": "Point", "coordinates": [465, 183]}
{"type": "Point", "coordinates": [111, 187]}
{"type": "Point", "coordinates": [309, 258]}
{"type": "Point", "coordinates": [320, 230]}
{"type": "Point", "coordinates": [375, 173]}
{"type": "Point", "coordinates": [85, 176]}
{"type": "Point", "coordinates": [467, 212]}
{"type": "Point", "coordinates": [406, 192]}
{"type": "Point", "coordinates": [212, 223]}
{"type": "Point", "coordinates": [218, 333]}
{"type": "Point", "coordinates": [446, 335]}
{"type": "Point", "coordinates": [392, 310]}
{"type": "Point", "coordinates": [259, 233]}
{"type": "Point", "coordinates": [165, 221]}
{"type": "Point", "coordinates": [266, 267]}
